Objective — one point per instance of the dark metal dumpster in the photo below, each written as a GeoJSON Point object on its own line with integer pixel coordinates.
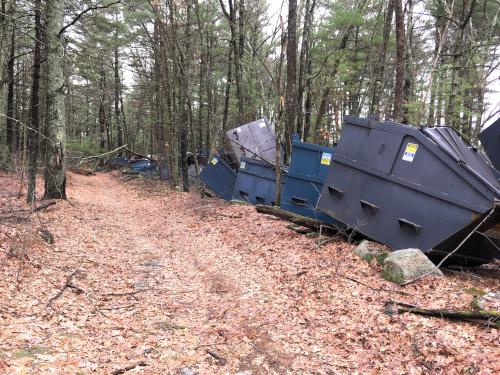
{"type": "Point", "coordinates": [256, 182]}
{"type": "Point", "coordinates": [254, 140]}
{"type": "Point", "coordinates": [490, 139]}
{"type": "Point", "coordinates": [302, 185]}
{"type": "Point", "coordinates": [140, 164]}
{"type": "Point", "coordinates": [219, 177]}
{"type": "Point", "coordinates": [414, 187]}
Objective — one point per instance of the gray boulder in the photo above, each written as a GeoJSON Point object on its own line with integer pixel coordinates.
{"type": "Point", "coordinates": [368, 251]}
{"type": "Point", "coordinates": [408, 264]}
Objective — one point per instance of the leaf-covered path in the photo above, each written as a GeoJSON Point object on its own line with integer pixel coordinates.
{"type": "Point", "coordinates": [141, 275]}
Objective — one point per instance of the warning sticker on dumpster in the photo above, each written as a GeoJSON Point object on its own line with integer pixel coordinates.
{"type": "Point", "coordinates": [411, 150]}
{"type": "Point", "coordinates": [326, 158]}
{"type": "Point", "coordinates": [243, 165]}
{"type": "Point", "coordinates": [214, 161]}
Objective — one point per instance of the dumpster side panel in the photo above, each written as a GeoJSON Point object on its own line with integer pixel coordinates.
{"type": "Point", "coordinates": [490, 139]}
{"type": "Point", "coordinates": [300, 195]}
{"type": "Point", "coordinates": [397, 186]}
{"type": "Point", "coordinates": [219, 177]}
{"type": "Point", "coordinates": [310, 159]}
{"type": "Point", "coordinates": [302, 185]}
{"type": "Point", "coordinates": [256, 182]}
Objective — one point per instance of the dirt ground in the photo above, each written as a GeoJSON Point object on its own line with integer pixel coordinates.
{"type": "Point", "coordinates": [154, 280]}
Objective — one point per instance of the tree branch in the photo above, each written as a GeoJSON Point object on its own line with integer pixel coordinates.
{"type": "Point", "coordinates": [81, 14]}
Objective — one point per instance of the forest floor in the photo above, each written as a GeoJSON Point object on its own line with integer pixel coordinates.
{"type": "Point", "coordinates": [142, 279]}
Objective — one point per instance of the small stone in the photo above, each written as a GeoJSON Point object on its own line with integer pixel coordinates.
{"type": "Point", "coordinates": [489, 301]}
{"type": "Point", "coordinates": [178, 188]}
{"type": "Point", "coordinates": [46, 235]}
{"type": "Point", "coordinates": [185, 371]}
{"type": "Point", "coordinates": [404, 265]}
{"type": "Point", "coordinates": [368, 251]}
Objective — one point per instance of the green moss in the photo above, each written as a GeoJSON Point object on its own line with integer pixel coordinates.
{"type": "Point", "coordinates": [475, 292]}
{"type": "Point", "coordinates": [30, 351]}
{"type": "Point", "coordinates": [392, 275]}
{"type": "Point", "coordinates": [168, 326]}
{"type": "Point", "coordinates": [380, 258]}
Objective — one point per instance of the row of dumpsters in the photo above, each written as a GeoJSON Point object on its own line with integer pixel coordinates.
{"type": "Point", "coordinates": [400, 185]}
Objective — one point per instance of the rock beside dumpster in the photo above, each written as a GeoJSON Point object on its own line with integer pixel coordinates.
{"type": "Point", "coordinates": [408, 264]}
{"type": "Point", "coordinates": [489, 301]}
{"type": "Point", "coordinates": [185, 371]}
{"type": "Point", "coordinates": [368, 251]}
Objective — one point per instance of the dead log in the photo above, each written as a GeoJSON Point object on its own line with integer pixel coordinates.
{"type": "Point", "coordinates": [300, 230]}
{"type": "Point", "coordinates": [43, 205]}
{"type": "Point", "coordinates": [485, 316]}
{"type": "Point", "coordinates": [128, 368]}
{"type": "Point", "coordinates": [101, 156]}
{"type": "Point", "coordinates": [294, 218]}
{"type": "Point", "coordinates": [221, 361]}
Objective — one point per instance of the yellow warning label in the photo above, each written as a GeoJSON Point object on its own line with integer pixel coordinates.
{"type": "Point", "coordinates": [326, 158]}
{"type": "Point", "coordinates": [214, 161]}
{"type": "Point", "coordinates": [411, 150]}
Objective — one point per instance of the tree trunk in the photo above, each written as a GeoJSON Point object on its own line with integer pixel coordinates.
{"type": "Point", "coordinates": [397, 113]}
{"type": "Point", "coordinates": [380, 66]}
{"type": "Point", "coordinates": [227, 92]}
{"type": "Point", "coordinates": [10, 92]}
{"type": "Point", "coordinates": [3, 54]}
{"type": "Point", "coordinates": [55, 163]}
{"type": "Point", "coordinates": [118, 118]}
{"type": "Point", "coordinates": [303, 64]}
{"type": "Point", "coordinates": [408, 75]}
{"type": "Point", "coordinates": [102, 108]}
{"type": "Point", "coordinates": [308, 102]}
{"type": "Point", "coordinates": [35, 102]}
{"type": "Point", "coordinates": [291, 77]}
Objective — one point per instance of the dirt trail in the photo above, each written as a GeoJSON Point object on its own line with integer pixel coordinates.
{"type": "Point", "coordinates": [173, 280]}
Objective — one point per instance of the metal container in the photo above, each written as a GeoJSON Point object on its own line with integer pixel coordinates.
{"type": "Point", "coordinates": [219, 177]}
{"type": "Point", "coordinates": [255, 140]}
{"type": "Point", "coordinates": [139, 165]}
{"type": "Point", "coordinates": [414, 187]}
{"type": "Point", "coordinates": [302, 185]}
{"type": "Point", "coordinates": [256, 182]}
{"type": "Point", "coordinates": [490, 139]}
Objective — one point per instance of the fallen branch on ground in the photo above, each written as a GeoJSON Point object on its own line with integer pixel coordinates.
{"type": "Point", "coordinates": [66, 285]}
{"type": "Point", "coordinates": [486, 316]}
{"type": "Point", "coordinates": [300, 230]}
{"type": "Point", "coordinates": [294, 218]}
{"type": "Point", "coordinates": [102, 155]}
{"type": "Point", "coordinates": [221, 361]}
{"type": "Point", "coordinates": [372, 288]}
{"type": "Point", "coordinates": [43, 205]}
{"type": "Point", "coordinates": [128, 368]}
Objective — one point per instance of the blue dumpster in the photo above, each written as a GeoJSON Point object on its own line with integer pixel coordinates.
{"type": "Point", "coordinates": [219, 177]}
{"type": "Point", "coordinates": [415, 187]}
{"type": "Point", "coordinates": [301, 187]}
{"type": "Point", "coordinates": [256, 182]}
{"type": "Point", "coordinates": [490, 139]}
{"type": "Point", "coordinates": [139, 165]}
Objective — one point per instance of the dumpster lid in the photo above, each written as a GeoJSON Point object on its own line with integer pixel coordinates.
{"type": "Point", "coordinates": [490, 139]}
{"type": "Point", "coordinates": [450, 142]}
